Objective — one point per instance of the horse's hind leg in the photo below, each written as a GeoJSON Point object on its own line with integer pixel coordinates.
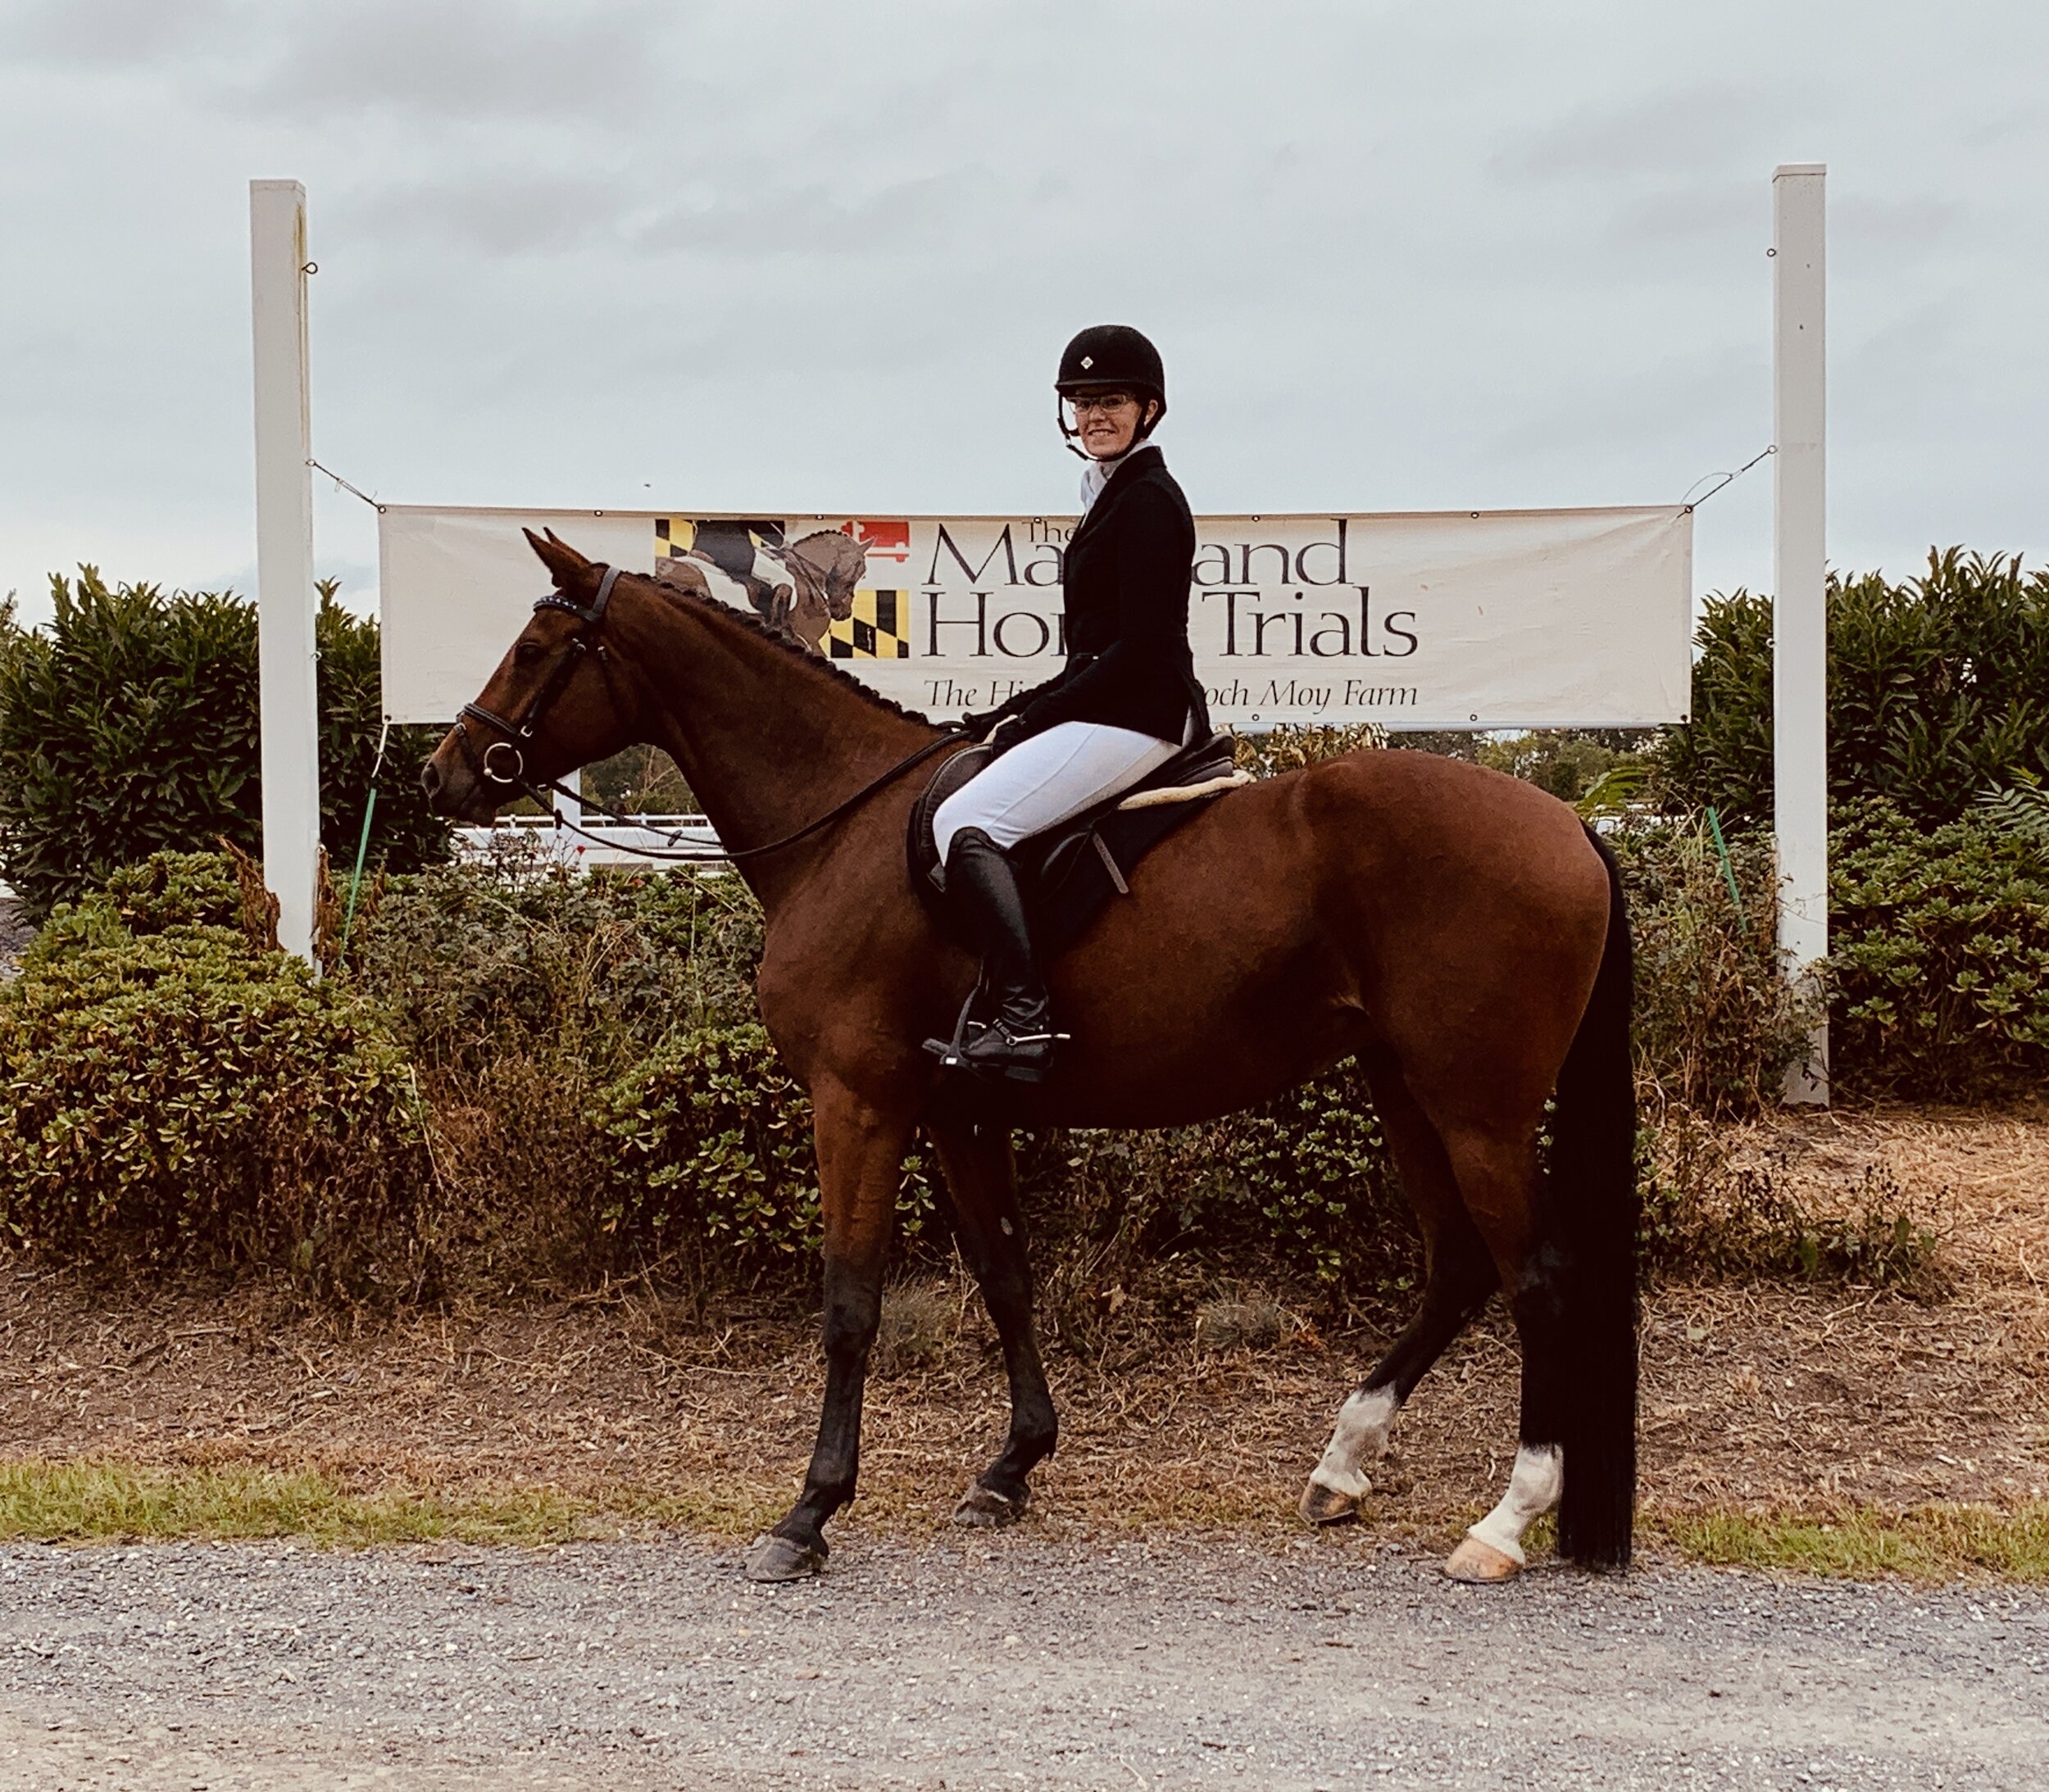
{"type": "Point", "coordinates": [1497, 1172]}
{"type": "Point", "coordinates": [1459, 1277]}
{"type": "Point", "coordinates": [990, 1226]}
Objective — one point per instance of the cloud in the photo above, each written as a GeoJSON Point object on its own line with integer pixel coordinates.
{"type": "Point", "coordinates": [1888, 221]}
{"type": "Point", "coordinates": [116, 33]}
{"type": "Point", "coordinates": [1681, 133]}
{"type": "Point", "coordinates": [769, 251]}
{"type": "Point", "coordinates": [780, 220]}
{"type": "Point", "coordinates": [493, 215]}
{"type": "Point", "coordinates": [444, 62]}
{"type": "Point", "coordinates": [436, 61]}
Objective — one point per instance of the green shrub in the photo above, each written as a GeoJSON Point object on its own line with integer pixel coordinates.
{"type": "Point", "coordinates": [1300, 1190]}
{"type": "Point", "coordinates": [1941, 959]}
{"type": "Point", "coordinates": [1716, 1024]}
{"type": "Point", "coordinates": [130, 725]}
{"type": "Point", "coordinates": [172, 889]}
{"type": "Point", "coordinates": [406, 834]}
{"type": "Point", "coordinates": [1305, 1179]}
{"type": "Point", "coordinates": [2019, 810]}
{"type": "Point", "coordinates": [521, 992]}
{"type": "Point", "coordinates": [476, 961]}
{"type": "Point", "coordinates": [1290, 747]}
{"type": "Point", "coordinates": [1936, 688]}
{"type": "Point", "coordinates": [708, 1148]}
{"type": "Point", "coordinates": [175, 1096]}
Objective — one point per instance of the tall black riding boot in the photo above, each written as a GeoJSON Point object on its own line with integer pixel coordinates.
{"type": "Point", "coordinates": [1018, 1041]}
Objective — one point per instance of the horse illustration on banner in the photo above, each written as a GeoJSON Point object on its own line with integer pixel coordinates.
{"type": "Point", "coordinates": [806, 591]}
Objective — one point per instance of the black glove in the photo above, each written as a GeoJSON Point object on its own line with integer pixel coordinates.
{"type": "Point", "coordinates": [986, 726]}
{"type": "Point", "coordinates": [1005, 733]}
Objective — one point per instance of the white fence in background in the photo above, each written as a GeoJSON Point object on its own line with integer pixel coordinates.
{"type": "Point", "coordinates": [535, 839]}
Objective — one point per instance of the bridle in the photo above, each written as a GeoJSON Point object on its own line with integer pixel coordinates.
{"type": "Point", "coordinates": [516, 735]}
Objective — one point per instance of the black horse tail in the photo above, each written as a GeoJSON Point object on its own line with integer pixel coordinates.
{"type": "Point", "coordinates": [1593, 1201]}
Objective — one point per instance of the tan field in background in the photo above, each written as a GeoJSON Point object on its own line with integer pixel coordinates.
{"type": "Point", "coordinates": [1820, 1406]}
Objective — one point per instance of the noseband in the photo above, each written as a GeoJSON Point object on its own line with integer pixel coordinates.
{"type": "Point", "coordinates": [503, 761]}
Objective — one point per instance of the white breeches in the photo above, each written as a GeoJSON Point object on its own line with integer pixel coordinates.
{"type": "Point", "coordinates": [1042, 781]}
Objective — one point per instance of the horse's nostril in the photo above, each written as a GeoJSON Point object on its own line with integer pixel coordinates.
{"type": "Point", "coordinates": [430, 779]}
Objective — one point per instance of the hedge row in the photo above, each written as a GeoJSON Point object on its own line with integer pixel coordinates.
{"type": "Point", "coordinates": [130, 725]}
{"type": "Point", "coordinates": [1938, 689]}
{"type": "Point", "coordinates": [175, 1093]}
{"type": "Point", "coordinates": [532, 1074]}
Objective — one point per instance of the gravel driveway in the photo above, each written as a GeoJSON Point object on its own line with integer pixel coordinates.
{"type": "Point", "coordinates": [1014, 1662]}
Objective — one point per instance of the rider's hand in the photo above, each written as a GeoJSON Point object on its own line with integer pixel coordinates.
{"type": "Point", "coordinates": [986, 725]}
{"type": "Point", "coordinates": [1006, 734]}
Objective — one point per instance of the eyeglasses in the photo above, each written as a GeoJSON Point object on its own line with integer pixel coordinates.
{"type": "Point", "coordinates": [1105, 401]}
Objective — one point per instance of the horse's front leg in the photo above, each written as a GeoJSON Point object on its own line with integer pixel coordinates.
{"type": "Point", "coordinates": [861, 1153]}
{"type": "Point", "coordinates": [982, 1177]}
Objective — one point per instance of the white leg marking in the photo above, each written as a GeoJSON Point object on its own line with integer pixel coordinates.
{"type": "Point", "coordinates": [1364, 1422]}
{"type": "Point", "coordinates": [1533, 1486]}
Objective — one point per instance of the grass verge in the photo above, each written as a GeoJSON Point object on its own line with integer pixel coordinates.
{"type": "Point", "coordinates": [88, 1500]}
{"type": "Point", "coordinates": [1861, 1543]}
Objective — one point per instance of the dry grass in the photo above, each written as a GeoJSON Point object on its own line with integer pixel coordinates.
{"type": "Point", "coordinates": [1816, 1429]}
{"type": "Point", "coordinates": [1256, 1321]}
{"type": "Point", "coordinates": [920, 1322]}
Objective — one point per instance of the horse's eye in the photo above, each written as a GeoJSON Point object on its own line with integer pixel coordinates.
{"type": "Point", "coordinates": [527, 653]}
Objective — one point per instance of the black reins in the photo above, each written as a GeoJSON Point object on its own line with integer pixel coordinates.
{"type": "Point", "coordinates": [516, 736]}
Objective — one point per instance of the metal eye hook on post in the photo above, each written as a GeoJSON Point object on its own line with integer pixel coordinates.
{"type": "Point", "coordinates": [1722, 479]}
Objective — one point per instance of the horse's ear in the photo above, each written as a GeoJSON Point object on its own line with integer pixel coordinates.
{"type": "Point", "coordinates": [562, 560]}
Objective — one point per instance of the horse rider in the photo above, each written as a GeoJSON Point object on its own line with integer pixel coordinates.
{"type": "Point", "coordinates": [1126, 701]}
{"type": "Point", "coordinates": [751, 555]}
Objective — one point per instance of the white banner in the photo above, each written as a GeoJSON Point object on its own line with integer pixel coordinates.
{"type": "Point", "coordinates": [1455, 620]}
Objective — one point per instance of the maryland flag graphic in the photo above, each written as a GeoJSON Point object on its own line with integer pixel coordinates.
{"type": "Point", "coordinates": [674, 536]}
{"type": "Point", "coordinates": [880, 629]}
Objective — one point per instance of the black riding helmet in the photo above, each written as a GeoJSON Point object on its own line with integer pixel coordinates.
{"type": "Point", "coordinates": [1112, 355]}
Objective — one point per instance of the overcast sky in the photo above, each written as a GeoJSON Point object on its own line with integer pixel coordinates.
{"type": "Point", "coordinates": [784, 254]}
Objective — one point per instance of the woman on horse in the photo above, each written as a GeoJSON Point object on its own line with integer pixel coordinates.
{"type": "Point", "coordinates": [1126, 701]}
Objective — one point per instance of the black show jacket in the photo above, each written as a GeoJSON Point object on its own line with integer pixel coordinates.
{"type": "Point", "coordinates": [1126, 576]}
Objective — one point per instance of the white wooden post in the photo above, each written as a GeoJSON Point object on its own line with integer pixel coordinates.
{"type": "Point", "coordinates": [286, 673]}
{"type": "Point", "coordinates": [1799, 636]}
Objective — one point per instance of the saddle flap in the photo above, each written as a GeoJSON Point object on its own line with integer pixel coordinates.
{"type": "Point", "coordinates": [954, 771]}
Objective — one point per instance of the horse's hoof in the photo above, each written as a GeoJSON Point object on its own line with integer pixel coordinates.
{"type": "Point", "coordinates": [1480, 1564]}
{"type": "Point", "coordinates": [984, 1509]}
{"type": "Point", "coordinates": [1324, 1507]}
{"type": "Point", "coordinates": [783, 1558]}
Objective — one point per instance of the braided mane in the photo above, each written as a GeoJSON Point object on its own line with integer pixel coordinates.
{"type": "Point", "coordinates": [811, 661]}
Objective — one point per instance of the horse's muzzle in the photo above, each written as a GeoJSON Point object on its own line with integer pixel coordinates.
{"type": "Point", "coordinates": [454, 793]}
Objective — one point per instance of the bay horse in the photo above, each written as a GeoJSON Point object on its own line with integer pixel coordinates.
{"type": "Point", "coordinates": [1457, 930]}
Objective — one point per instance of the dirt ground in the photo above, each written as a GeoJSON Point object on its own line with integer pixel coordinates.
{"type": "Point", "coordinates": [1769, 1396]}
